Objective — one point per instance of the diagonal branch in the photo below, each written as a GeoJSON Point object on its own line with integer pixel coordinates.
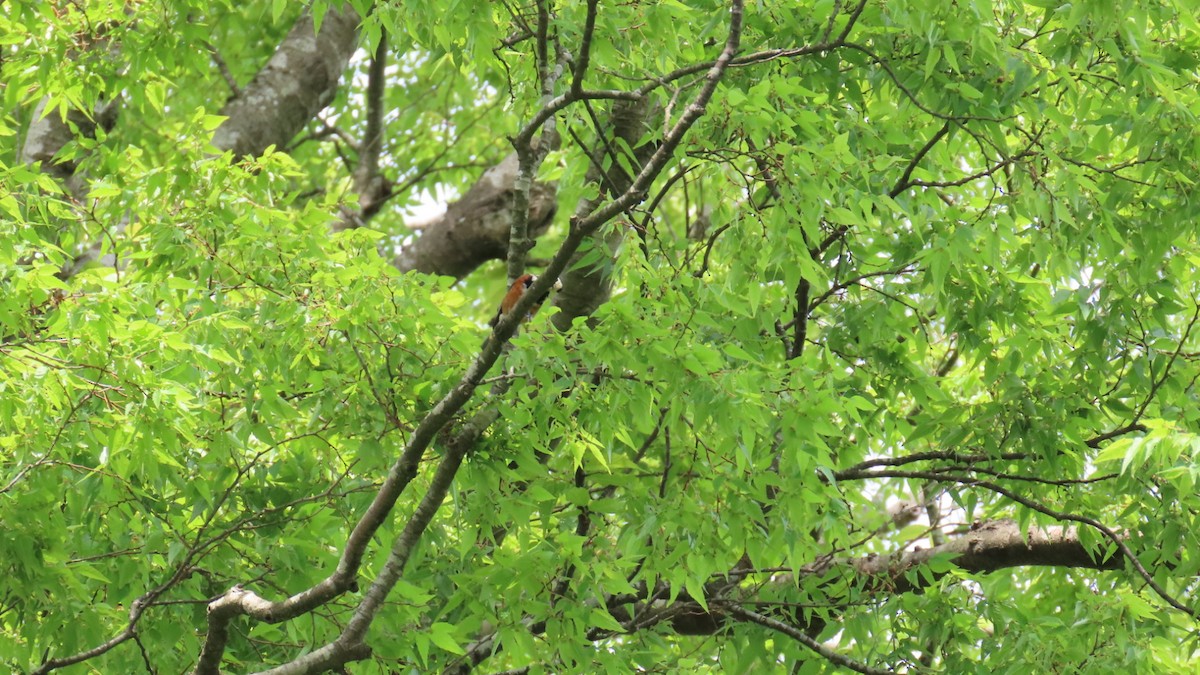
{"type": "Point", "coordinates": [349, 647]}
{"type": "Point", "coordinates": [905, 178]}
{"type": "Point", "coordinates": [1135, 424]}
{"type": "Point", "coordinates": [1157, 384]}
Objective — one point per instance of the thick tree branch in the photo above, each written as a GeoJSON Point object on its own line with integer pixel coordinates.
{"type": "Point", "coordinates": [1117, 539]}
{"type": "Point", "coordinates": [987, 548]}
{"type": "Point", "coordinates": [350, 645]}
{"type": "Point", "coordinates": [299, 80]}
{"type": "Point", "coordinates": [477, 228]}
{"type": "Point", "coordinates": [586, 287]}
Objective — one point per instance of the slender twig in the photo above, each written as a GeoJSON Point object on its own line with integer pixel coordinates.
{"type": "Point", "coordinates": [583, 524]}
{"type": "Point", "coordinates": [799, 636]}
{"type": "Point", "coordinates": [983, 173]}
{"type": "Point", "coordinates": [932, 456]}
{"type": "Point", "coordinates": [223, 68]}
{"type": "Point", "coordinates": [1156, 384]}
{"type": "Point", "coordinates": [843, 285]}
{"type": "Point", "coordinates": [585, 48]}
{"type": "Point", "coordinates": [712, 239]}
{"type": "Point", "coordinates": [903, 183]}
{"type": "Point", "coordinates": [800, 319]}
{"type": "Point", "coordinates": [837, 8]}
{"type": "Point", "coordinates": [909, 94]}
{"type": "Point", "coordinates": [1096, 441]}
{"type": "Point", "coordinates": [759, 57]}
{"type": "Point", "coordinates": [662, 193]}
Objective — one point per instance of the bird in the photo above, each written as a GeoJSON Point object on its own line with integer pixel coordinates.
{"type": "Point", "coordinates": [513, 296]}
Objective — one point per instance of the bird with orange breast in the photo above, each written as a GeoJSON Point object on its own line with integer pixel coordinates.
{"type": "Point", "coordinates": [516, 292]}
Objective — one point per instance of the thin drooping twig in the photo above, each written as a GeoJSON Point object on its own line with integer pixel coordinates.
{"type": "Point", "coordinates": [909, 94]}
{"type": "Point", "coordinates": [764, 56]}
{"type": "Point", "coordinates": [1135, 424]}
{"type": "Point", "coordinates": [223, 68]}
{"type": "Point", "coordinates": [843, 285]}
{"type": "Point", "coordinates": [1155, 385]}
{"type": "Point", "coordinates": [799, 636]}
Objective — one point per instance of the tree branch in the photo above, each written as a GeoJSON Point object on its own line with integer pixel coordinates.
{"type": "Point", "coordinates": [373, 189]}
{"type": "Point", "coordinates": [987, 548]}
{"type": "Point", "coordinates": [529, 155]}
{"type": "Point", "coordinates": [799, 636]}
{"type": "Point", "coordinates": [299, 80]}
{"type": "Point", "coordinates": [904, 181]}
{"type": "Point", "coordinates": [585, 48]}
{"type": "Point", "coordinates": [348, 646]}
{"type": "Point", "coordinates": [1117, 539]}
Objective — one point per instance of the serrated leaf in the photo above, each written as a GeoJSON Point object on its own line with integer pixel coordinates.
{"type": "Point", "coordinates": [442, 635]}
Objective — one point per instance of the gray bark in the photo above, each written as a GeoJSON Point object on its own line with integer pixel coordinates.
{"type": "Point", "coordinates": [300, 79]}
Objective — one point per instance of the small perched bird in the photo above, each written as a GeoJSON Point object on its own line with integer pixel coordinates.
{"type": "Point", "coordinates": [514, 294]}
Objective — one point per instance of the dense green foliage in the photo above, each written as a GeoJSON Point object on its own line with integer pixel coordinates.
{"type": "Point", "coordinates": [963, 239]}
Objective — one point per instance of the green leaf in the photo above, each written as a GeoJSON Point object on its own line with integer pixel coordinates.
{"type": "Point", "coordinates": [442, 635]}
